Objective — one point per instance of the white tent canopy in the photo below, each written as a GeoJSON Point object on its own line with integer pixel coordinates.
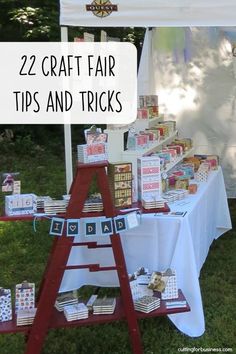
{"type": "Point", "coordinates": [174, 13]}
{"type": "Point", "coordinates": [150, 13]}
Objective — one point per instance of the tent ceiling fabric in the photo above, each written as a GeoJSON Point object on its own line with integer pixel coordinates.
{"type": "Point", "coordinates": [148, 13]}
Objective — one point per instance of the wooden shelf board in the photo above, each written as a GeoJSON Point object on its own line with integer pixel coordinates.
{"type": "Point", "coordinates": [58, 319]}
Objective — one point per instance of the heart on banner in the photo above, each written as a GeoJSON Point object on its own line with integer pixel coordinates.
{"type": "Point", "coordinates": [72, 227]}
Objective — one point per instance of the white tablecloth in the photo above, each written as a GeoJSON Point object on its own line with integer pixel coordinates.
{"type": "Point", "coordinates": [181, 243]}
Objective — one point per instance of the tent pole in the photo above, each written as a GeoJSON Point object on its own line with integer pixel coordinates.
{"type": "Point", "coordinates": [67, 131]}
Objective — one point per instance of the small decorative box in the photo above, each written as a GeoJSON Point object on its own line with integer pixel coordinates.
{"type": "Point", "coordinates": [137, 141]}
{"type": "Point", "coordinates": [201, 175]}
{"type": "Point", "coordinates": [142, 113]}
{"type": "Point", "coordinates": [5, 305]}
{"type": "Point", "coordinates": [149, 177]}
{"type": "Point", "coordinates": [165, 155]}
{"type": "Point", "coordinates": [120, 180]}
{"type": "Point", "coordinates": [165, 129]}
{"type": "Point", "coordinates": [178, 148]}
{"type": "Point", "coordinates": [25, 296]}
{"type": "Point", "coordinates": [172, 152]}
{"type": "Point", "coordinates": [153, 112]}
{"type": "Point", "coordinates": [148, 101]}
{"type": "Point", "coordinates": [92, 152]}
{"type": "Point", "coordinates": [192, 188]}
{"type": "Point", "coordinates": [155, 132]}
{"type": "Point", "coordinates": [171, 288]}
{"type": "Point", "coordinates": [20, 204]}
{"type": "Point", "coordinates": [171, 124]}
{"type": "Point", "coordinates": [182, 183]}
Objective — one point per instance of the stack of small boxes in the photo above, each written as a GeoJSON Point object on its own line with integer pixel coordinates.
{"type": "Point", "coordinates": [207, 164]}
{"type": "Point", "coordinates": [120, 180]}
{"type": "Point", "coordinates": [149, 181]}
{"type": "Point", "coordinates": [25, 303]}
{"type": "Point", "coordinates": [148, 107]}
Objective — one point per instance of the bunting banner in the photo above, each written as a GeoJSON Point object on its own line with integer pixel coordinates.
{"type": "Point", "coordinates": [95, 226]}
{"type": "Point", "coordinates": [57, 226]}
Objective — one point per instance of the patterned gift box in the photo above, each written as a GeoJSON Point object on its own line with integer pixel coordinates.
{"type": "Point", "coordinates": [25, 296]}
{"type": "Point", "coordinates": [151, 136]}
{"type": "Point", "coordinates": [171, 151]}
{"type": "Point", "coordinates": [192, 188]}
{"type": "Point", "coordinates": [120, 181]}
{"type": "Point", "coordinates": [171, 125]}
{"type": "Point", "coordinates": [142, 113]}
{"type": "Point", "coordinates": [149, 177]}
{"type": "Point", "coordinates": [153, 112]}
{"type": "Point", "coordinates": [155, 132]}
{"type": "Point", "coordinates": [5, 305]}
{"type": "Point", "coordinates": [165, 129]}
{"type": "Point", "coordinates": [137, 141]}
{"type": "Point", "coordinates": [148, 101]}
{"type": "Point", "coordinates": [92, 153]}
{"type": "Point", "coordinates": [171, 288]}
{"type": "Point", "coordinates": [201, 175]}
{"type": "Point", "coordinates": [188, 169]}
{"type": "Point", "coordinates": [182, 183]}
{"type": "Point", "coordinates": [20, 204]}
{"type": "Point", "coordinates": [178, 148]}
{"type": "Point", "coordinates": [186, 142]}
{"type": "Point", "coordinates": [164, 155]}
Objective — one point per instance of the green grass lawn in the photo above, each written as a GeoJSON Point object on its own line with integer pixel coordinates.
{"type": "Point", "coordinates": [23, 255]}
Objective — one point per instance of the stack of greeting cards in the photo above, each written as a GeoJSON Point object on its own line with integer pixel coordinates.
{"type": "Point", "coordinates": [65, 299]}
{"type": "Point", "coordinates": [53, 207]}
{"type": "Point", "coordinates": [152, 203]}
{"type": "Point", "coordinates": [25, 317]}
{"type": "Point", "coordinates": [41, 200]}
{"type": "Point", "coordinates": [76, 312]}
{"type": "Point", "coordinates": [93, 203]}
{"type": "Point", "coordinates": [104, 306]}
{"type": "Point", "coordinates": [176, 304]}
{"type": "Point", "coordinates": [91, 301]}
{"type": "Point", "coordinates": [147, 304]}
{"type": "Point", "coordinates": [139, 290]}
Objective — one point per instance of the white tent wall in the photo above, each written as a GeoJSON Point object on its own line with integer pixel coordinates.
{"type": "Point", "coordinates": [200, 95]}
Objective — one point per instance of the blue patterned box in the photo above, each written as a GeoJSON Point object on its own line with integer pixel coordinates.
{"type": "Point", "coordinates": [5, 305]}
{"type": "Point", "coordinates": [20, 204]}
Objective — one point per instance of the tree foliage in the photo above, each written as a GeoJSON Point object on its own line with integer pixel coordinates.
{"type": "Point", "coordinates": [38, 21]}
